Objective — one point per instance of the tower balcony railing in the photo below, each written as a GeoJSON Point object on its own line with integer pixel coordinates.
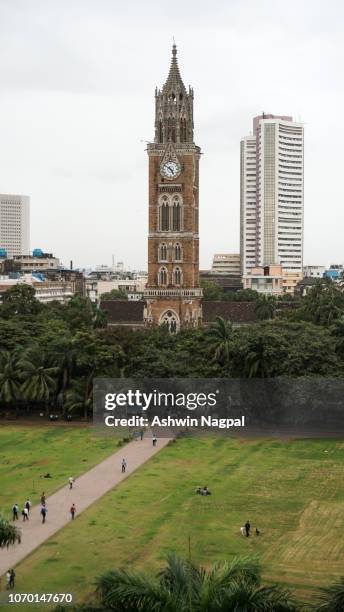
{"type": "Point", "coordinates": [174, 292]}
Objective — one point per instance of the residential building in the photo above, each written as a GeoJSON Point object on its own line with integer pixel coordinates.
{"type": "Point", "coordinates": [227, 282]}
{"type": "Point", "coordinates": [37, 262]}
{"type": "Point", "coordinates": [313, 271]}
{"type": "Point", "coordinates": [271, 194]}
{"type": "Point", "coordinates": [265, 279]}
{"type": "Point", "coordinates": [290, 281]}
{"type": "Point", "coordinates": [226, 263]}
{"type": "Point", "coordinates": [45, 291]}
{"type": "Point", "coordinates": [334, 272]}
{"type": "Point", "coordinates": [14, 224]}
{"type": "Point", "coordinates": [96, 287]}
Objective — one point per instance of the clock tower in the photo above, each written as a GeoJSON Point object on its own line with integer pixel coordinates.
{"type": "Point", "coordinates": [173, 295]}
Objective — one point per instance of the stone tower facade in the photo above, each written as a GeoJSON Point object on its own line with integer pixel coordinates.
{"type": "Point", "coordinates": [173, 294]}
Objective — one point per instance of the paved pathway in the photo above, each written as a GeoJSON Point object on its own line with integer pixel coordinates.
{"type": "Point", "coordinates": [86, 490]}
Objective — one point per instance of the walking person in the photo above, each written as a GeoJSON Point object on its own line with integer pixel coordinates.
{"type": "Point", "coordinates": [44, 511]}
{"type": "Point", "coordinates": [12, 578]}
{"type": "Point", "coordinates": [15, 511]}
{"type": "Point", "coordinates": [71, 481]}
{"type": "Point", "coordinates": [247, 528]}
{"type": "Point", "coordinates": [43, 499]}
{"type": "Point", "coordinates": [25, 514]}
{"type": "Point", "coordinates": [155, 439]}
{"type": "Point", "coordinates": [28, 505]}
{"type": "Point", "coordinates": [141, 434]}
{"type": "Point", "coordinates": [73, 511]}
{"type": "Point", "coordinates": [8, 579]}
{"type": "Point", "coordinates": [124, 465]}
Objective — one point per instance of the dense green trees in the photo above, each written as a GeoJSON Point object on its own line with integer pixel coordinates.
{"type": "Point", "coordinates": [114, 294]}
{"type": "Point", "coordinates": [49, 354]}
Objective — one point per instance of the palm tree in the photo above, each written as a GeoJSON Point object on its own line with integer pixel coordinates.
{"type": "Point", "coordinates": [331, 598]}
{"type": "Point", "coordinates": [9, 383]}
{"type": "Point", "coordinates": [265, 307]}
{"type": "Point", "coordinates": [184, 587]}
{"type": "Point", "coordinates": [341, 281]}
{"type": "Point", "coordinates": [220, 336]}
{"type": "Point", "coordinates": [338, 332]}
{"type": "Point", "coordinates": [38, 378]}
{"type": "Point", "coordinates": [63, 355]}
{"type": "Point", "coordinates": [256, 364]}
{"type": "Point", "coordinates": [9, 534]}
{"type": "Point", "coordinates": [99, 316]}
{"type": "Point", "coordinates": [79, 397]}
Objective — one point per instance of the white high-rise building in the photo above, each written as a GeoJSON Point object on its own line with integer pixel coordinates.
{"type": "Point", "coordinates": [15, 224]}
{"type": "Point", "coordinates": [271, 194]}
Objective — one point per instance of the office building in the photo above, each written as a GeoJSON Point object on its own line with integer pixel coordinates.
{"type": "Point", "coordinates": [14, 224]}
{"type": "Point", "coordinates": [226, 263]}
{"type": "Point", "coordinates": [271, 194]}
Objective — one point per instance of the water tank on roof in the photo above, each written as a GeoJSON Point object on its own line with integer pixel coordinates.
{"type": "Point", "coordinates": [37, 253]}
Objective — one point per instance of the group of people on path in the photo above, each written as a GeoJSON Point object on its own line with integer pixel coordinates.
{"type": "Point", "coordinates": [10, 577]}
{"type": "Point", "coordinates": [43, 510]}
{"type": "Point", "coordinates": [25, 511]}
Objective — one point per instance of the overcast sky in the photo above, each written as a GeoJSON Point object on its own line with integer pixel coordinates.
{"type": "Point", "coordinates": [77, 81]}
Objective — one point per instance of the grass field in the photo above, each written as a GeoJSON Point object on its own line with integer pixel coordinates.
{"type": "Point", "coordinates": [292, 490]}
{"type": "Point", "coordinates": [28, 453]}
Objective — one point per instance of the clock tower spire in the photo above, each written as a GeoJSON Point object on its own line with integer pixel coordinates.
{"type": "Point", "coordinates": [173, 108]}
{"type": "Point", "coordinates": [173, 295]}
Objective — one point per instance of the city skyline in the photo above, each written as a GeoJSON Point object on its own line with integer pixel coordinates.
{"type": "Point", "coordinates": [73, 115]}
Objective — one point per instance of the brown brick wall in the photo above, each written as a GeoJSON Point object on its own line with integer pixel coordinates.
{"type": "Point", "coordinates": [190, 244]}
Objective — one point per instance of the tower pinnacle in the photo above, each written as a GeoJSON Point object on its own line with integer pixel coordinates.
{"type": "Point", "coordinates": [174, 107]}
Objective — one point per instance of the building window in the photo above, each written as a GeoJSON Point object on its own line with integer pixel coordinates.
{"type": "Point", "coordinates": [162, 279]}
{"type": "Point", "coordinates": [176, 209]}
{"type": "Point", "coordinates": [171, 129]}
{"type": "Point", "coordinates": [164, 210]}
{"type": "Point", "coordinates": [183, 130]}
{"type": "Point", "coordinates": [163, 252]}
{"type": "Point", "coordinates": [177, 252]}
{"type": "Point", "coordinates": [170, 320]}
{"type": "Point", "coordinates": [160, 133]}
{"type": "Point", "coordinates": [177, 276]}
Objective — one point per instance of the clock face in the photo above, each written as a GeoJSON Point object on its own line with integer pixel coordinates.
{"type": "Point", "coordinates": [170, 169]}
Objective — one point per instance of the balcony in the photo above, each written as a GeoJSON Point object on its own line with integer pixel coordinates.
{"type": "Point", "coordinates": [174, 292]}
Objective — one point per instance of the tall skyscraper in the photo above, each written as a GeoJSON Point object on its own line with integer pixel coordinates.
{"type": "Point", "coordinates": [173, 294]}
{"type": "Point", "coordinates": [15, 224]}
{"type": "Point", "coordinates": [271, 194]}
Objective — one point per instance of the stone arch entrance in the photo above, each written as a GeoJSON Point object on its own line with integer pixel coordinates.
{"type": "Point", "coordinates": [171, 320]}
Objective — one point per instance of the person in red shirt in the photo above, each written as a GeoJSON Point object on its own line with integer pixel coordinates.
{"type": "Point", "coordinates": [73, 511]}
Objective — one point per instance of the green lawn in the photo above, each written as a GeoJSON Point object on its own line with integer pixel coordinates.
{"type": "Point", "coordinates": [28, 453]}
{"type": "Point", "coordinates": [292, 490]}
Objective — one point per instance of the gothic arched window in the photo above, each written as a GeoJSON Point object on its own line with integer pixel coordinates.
{"type": "Point", "coordinates": [177, 252]}
{"type": "Point", "coordinates": [163, 251]}
{"type": "Point", "coordinates": [176, 215]}
{"type": "Point", "coordinates": [183, 130]}
{"type": "Point", "coordinates": [160, 134]}
{"type": "Point", "coordinates": [164, 215]}
{"type": "Point", "coordinates": [171, 129]}
{"type": "Point", "coordinates": [170, 320]}
{"type": "Point", "coordinates": [177, 276]}
{"type": "Point", "coordinates": [162, 280]}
